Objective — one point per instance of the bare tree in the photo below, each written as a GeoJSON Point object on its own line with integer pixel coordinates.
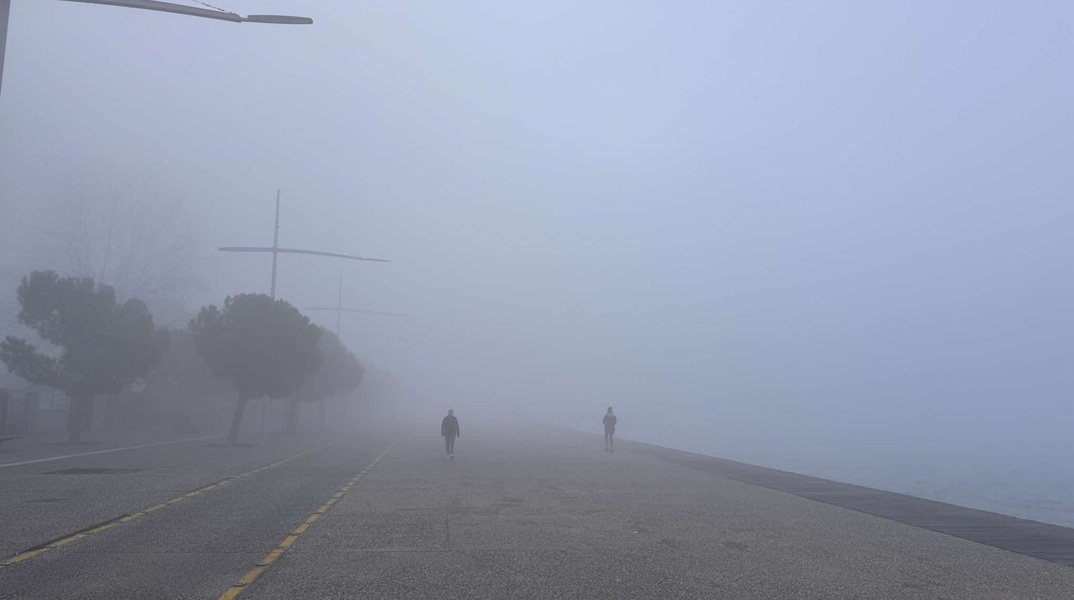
{"type": "Point", "coordinates": [129, 234]}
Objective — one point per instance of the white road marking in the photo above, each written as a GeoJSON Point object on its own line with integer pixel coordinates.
{"type": "Point", "coordinates": [51, 458]}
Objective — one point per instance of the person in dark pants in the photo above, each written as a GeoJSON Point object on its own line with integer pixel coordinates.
{"type": "Point", "coordinates": [449, 428]}
{"type": "Point", "coordinates": [609, 430]}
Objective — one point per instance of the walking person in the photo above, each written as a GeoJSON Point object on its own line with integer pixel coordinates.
{"type": "Point", "coordinates": [449, 428]}
{"type": "Point", "coordinates": [609, 430]}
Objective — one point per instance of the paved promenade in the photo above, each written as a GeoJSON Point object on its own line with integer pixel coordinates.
{"type": "Point", "coordinates": [553, 516]}
{"type": "Point", "coordinates": [534, 515]}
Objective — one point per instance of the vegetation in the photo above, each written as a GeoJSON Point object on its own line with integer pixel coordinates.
{"type": "Point", "coordinates": [91, 344]}
{"type": "Point", "coordinates": [180, 393]}
{"type": "Point", "coordinates": [125, 230]}
{"type": "Point", "coordinates": [262, 347]}
{"type": "Point", "coordinates": [104, 346]}
{"type": "Point", "coordinates": [339, 373]}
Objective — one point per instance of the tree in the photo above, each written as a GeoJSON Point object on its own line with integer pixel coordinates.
{"type": "Point", "coordinates": [261, 346]}
{"type": "Point", "coordinates": [124, 230]}
{"type": "Point", "coordinates": [105, 346]}
{"type": "Point", "coordinates": [340, 372]}
{"type": "Point", "coordinates": [181, 391]}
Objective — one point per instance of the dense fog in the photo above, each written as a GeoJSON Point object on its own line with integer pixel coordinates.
{"type": "Point", "coordinates": [827, 236]}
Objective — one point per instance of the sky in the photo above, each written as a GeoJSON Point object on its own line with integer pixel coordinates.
{"type": "Point", "coordinates": [764, 230]}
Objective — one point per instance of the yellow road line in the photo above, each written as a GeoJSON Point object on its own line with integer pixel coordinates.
{"type": "Point", "coordinates": [100, 527]}
{"type": "Point", "coordinates": [259, 569]}
{"type": "Point", "coordinates": [287, 541]}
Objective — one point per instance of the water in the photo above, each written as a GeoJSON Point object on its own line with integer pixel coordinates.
{"type": "Point", "coordinates": [1031, 480]}
{"type": "Point", "coordinates": [1022, 486]}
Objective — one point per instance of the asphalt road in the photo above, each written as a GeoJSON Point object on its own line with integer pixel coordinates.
{"type": "Point", "coordinates": [182, 520]}
{"type": "Point", "coordinates": [525, 515]}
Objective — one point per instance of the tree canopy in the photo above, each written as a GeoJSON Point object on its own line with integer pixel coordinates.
{"type": "Point", "coordinates": [262, 347]}
{"type": "Point", "coordinates": [339, 372]}
{"type": "Point", "coordinates": [104, 346]}
{"type": "Point", "coordinates": [125, 230]}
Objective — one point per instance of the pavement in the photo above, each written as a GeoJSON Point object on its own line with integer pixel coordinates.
{"type": "Point", "coordinates": [50, 491]}
{"type": "Point", "coordinates": [537, 514]}
{"type": "Point", "coordinates": [50, 446]}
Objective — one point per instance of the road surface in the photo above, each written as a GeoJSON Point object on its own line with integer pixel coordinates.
{"type": "Point", "coordinates": [543, 514]}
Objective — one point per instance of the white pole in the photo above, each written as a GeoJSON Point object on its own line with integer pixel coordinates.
{"type": "Point", "coordinates": [339, 303]}
{"type": "Point", "coordinates": [157, 5]}
{"type": "Point", "coordinates": [5, 12]}
{"type": "Point", "coordinates": [275, 245]}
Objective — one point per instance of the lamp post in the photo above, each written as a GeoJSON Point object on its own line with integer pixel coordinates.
{"type": "Point", "coordinates": [275, 250]}
{"type": "Point", "coordinates": [156, 5]}
{"type": "Point", "coordinates": [5, 14]}
{"type": "Point", "coordinates": [339, 309]}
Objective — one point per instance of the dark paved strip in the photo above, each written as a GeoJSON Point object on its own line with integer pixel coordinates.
{"type": "Point", "coordinates": [37, 507]}
{"type": "Point", "coordinates": [1032, 538]}
{"type": "Point", "coordinates": [195, 548]}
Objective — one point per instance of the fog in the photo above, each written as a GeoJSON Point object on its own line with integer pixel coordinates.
{"type": "Point", "coordinates": [829, 236]}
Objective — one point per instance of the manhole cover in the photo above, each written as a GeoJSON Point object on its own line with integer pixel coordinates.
{"type": "Point", "coordinates": [47, 500]}
{"type": "Point", "coordinates": [92, 471]}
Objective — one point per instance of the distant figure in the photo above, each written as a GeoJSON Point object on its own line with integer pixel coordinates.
{"type": "Point", "coordinates": [609, 430]}
{"type": "Point", "coordinates": [449, 428]}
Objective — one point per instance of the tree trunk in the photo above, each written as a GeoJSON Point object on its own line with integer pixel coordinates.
{"type": "Point", "coordinates": [233, 435]}
{"type": "Point", "coordinates": [323, 408]}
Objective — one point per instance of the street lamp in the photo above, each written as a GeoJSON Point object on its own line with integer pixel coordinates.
{"type": "Point", "coordinates": [277, 20]}
{"type": "Point", "coordinates": [275, 250]}
{"type": "Point", "coordinates": [339, 309]}
{"type": "Point", "coordinates": [156, 5]}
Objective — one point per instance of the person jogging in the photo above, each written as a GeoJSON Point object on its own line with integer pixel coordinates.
{"type": "Point", "coordinates": [449, 429]}
{"type": "Point", "coordinates": [609, 430]}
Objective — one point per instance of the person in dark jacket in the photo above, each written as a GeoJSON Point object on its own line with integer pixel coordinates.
{"type": "Point", "coordinates": [449, 428]}
{"type": "Point", "coordinates": [609, 430]}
